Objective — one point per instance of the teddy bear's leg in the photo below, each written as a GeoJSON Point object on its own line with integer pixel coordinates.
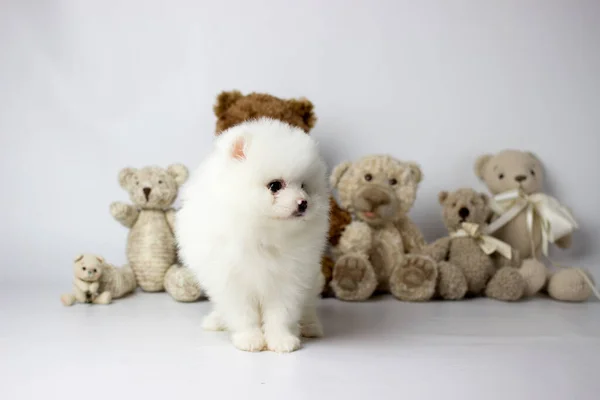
{"type": "Point", "coordinates": [353, 278]}
{"type": "Point", "coordinates": [507, 285]}
{"type": "Point", "coordinates": [103, 298]}
{"type": "Point", "coordinates": [181, 284]}
{"type": "Point", "coordinates": [535, 275]}
{"type": "Point", "coordinates": [569, 285]}
{"type": "Point", "coordinates": [452, 284]}
{"type": "Point", "coordinates": [414, 279]}
{"type": "Point", "coordinates": [67, 299]}
{"type": "Point", "coordinates": [79, 295]}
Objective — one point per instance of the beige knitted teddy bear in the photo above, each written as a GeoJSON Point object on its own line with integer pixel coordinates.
{"type": "Point", "coordinates": [379, 191]}
{"type": "Point", "coordinates": [151, 248]}
{"type": "Point", "coordinates": [98, 282]}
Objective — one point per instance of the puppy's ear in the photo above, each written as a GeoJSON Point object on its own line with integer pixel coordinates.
{"type": "Point", "coordinates": [238, 149]}
{"type": "Point", "coordinates": [304, 108]}
{"type": "Point", "coordinates": [78, 258]}
{"type": "Point", "coordinates": [225, 100]}
{"type": "Point", "coordinates": [415, 171]}
{"type": "Point", "coordinates": [480, 165]}
{"type": "Point", "coordinates": [442, 196]}
{"type": "Point", "coordinates": [179, 172]}
{"type": "Point", "coordinates": [338, 172]}
{"type": "Point", "coordinates": [125, 177]}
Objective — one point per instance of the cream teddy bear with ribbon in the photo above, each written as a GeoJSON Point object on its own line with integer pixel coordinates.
{"type": "Point", "coordinates": [528, 220]}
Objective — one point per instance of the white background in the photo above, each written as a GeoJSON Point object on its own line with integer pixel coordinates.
{"type": "Point", "coordinates": [89, 87]}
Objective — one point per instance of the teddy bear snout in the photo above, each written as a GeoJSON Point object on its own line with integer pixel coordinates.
{"type": "Point", "coordinates": [376, 197]}
{"type": "Point", "coordinates": [463, 212]}
{"type": "Point", "coordinates": [147, 191]}
{"type": "Point", "coordinates": [520, 178]}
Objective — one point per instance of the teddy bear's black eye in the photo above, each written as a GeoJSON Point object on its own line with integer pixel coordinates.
{"type": "Point", "coordinates": [393, 181]}
{"type": "Point", "coordinates": [160, 182]}
{"type": "Point", "coordinates": [532, 172]}
{"type": "Point", "coordinates": [137, 183]}
{"type": "Point", "coordinates": [368, 177]}
{"type": "Point", "coordinates": [275, 186]}
{"type": "Point", "coordinates": [95, 270]}
{"type": "Point", "coordinates": [83, 268]}
{"type": "Point", "coordinates": [501, 176]}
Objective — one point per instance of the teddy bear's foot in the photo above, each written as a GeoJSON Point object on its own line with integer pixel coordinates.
{"type": "Point", "coordinates": [67, 299]}
{"type": "Point", "coordinates": [569, 285]}
{"type": "Point", "coordinates": [414, 279]}
{"type": "Point", "coordinates": [103, 298]}
{"type": "Point", "coordinates": [507, 284]}
{"type": "Point", "coordinates": [353, 278]}
{"type": "Point", "coordinates": [452, 284]}
{"type": "Point", "coordinates": [535, 275]}
{"type": "Point", "coordinates": [182, 285]}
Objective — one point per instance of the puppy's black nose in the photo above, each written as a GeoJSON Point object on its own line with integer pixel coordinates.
{"type": "Point", "coordinates": [147, 191]}
{"type": "Point", "coordinates": [520, 178]}
{"type": "Point", "coordinates": [302, 206]}
{"type": "Point", "coordinates": [463, 212]}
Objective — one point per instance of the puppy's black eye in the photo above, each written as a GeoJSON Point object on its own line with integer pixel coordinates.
{"type": "Point", "coordinates": [368, 177]}
{"type": "Point", "coordinates": [393, 181]}
{"type": "Point", "coordinates": [532, 172]}
{"type": "Point", "coordinates": [501, 176]}
{"type": "Point", "coordinates": [83, 268]}
{"type": "Point", "coordinates": [275, 186]}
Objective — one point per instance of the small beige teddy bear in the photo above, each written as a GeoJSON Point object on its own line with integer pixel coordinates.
{"type": "Point", "coordinates": [151, 248]}
{"type": "Point", "coordinates": [86, 284]}
{"type": "Point", "coordinates": [98, 282]}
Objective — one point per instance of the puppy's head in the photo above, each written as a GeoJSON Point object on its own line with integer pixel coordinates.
{"type": "Point", "coordinates": [276, 171]}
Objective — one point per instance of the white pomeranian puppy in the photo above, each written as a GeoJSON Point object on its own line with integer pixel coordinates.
{"type": "Point", "coordinates": [253, 226]}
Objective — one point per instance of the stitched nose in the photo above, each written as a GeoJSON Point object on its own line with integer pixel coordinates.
{"type": "Point", "coordinates": [377, 198]}
{"type": "Point", "coordinates": [147, 191]}
{"type": "Point", "coordinates": [463, 212]}
{"type": "Point", "coordinates": [520, 178]}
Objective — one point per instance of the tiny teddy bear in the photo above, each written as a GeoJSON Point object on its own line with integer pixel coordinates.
{"type": "Point", "coordinates": [151, 247]}
{"type": "Point", "coordinates": [378, 191]}
{"type": "Point", "coordinates": [86, 284]}
{"type": "Point", "coordinates": [527, 219]}
{"type": "Point", "coordinates": [232, 108]}
{"type": "Point", "coordinates": [465, 212]}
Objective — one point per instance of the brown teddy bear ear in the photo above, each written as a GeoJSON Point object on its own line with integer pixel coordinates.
{"type": "Point", "coordinates": [125, 177]}
{"type": "Point", "coordinates": [179, 172]}
{"type": "Point", "coordinates": [225, 100]}
{"type": "Point", "coordinates": [415, 171]}
{"type": "Point", "coordinates": [78, 258]}
{"type": "Point", "coordinates": [480, 165]}
{"type": "Point", "coordinates": [485, 198]}
{"type": "Point", "coordinates": [338, 172]}
{"type": "Point", "coordinates": [442, 196]}
{"type": "Point", "coordinates": [304, 108]}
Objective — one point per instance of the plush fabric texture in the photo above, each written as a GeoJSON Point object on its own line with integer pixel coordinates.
{"type": "Point", "coordinates": [513, 169]}
{"type": "Point", "coordinates": [379, 191]}
{"type": "Point", "coordinates": [475, 273]}
{"type": "Point", "coordinates": [97, 282]}
{"type": "Point", "coordinates": [151, 248]}
{"type": "Point", "coordinates": [232, 108]}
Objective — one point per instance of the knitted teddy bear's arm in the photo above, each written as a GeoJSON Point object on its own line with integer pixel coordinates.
{"type": "Point", "coordinates": [170, 215]}
{"type": "Point", "coordinates": [437, 250]}
{"type": "Point", "coordinates": [412, 237]}
{"type": "Point", "coordinates": [126, 214]}
{"type": "Point", "coordinates": [357, 237]}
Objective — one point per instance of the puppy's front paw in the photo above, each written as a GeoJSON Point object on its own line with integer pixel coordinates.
{"type": "Point", "coordinates": [283, 342]}
{"type": "Point", "coordinates": [213, 322]}
{"type": "Point", "coordinates": [249, 340]}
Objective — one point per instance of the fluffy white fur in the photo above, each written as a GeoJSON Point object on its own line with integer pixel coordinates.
{"type": "Point", "coordinates": [253, 251]}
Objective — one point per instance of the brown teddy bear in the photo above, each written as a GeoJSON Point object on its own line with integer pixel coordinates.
{"type": "Point", "coordinates": [232, 108]}
{"type": "Point", "coordinates": [465, 212]}
{"type": "Point", "coordinates": [379, 191]}
{"type": "Point", "coordinates": [516, 179]}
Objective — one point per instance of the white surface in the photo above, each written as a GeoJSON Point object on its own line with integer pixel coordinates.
{"type": "Point", "coordinates": [150, 347]}
{"type": "Point", "coordinates": [87, 88]}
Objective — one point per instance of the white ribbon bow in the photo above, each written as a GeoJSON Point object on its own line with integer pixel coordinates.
{"type": "Point", "coordinates": [556, 220]}
{"type": "Point", "coordinates": [487, 243]}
